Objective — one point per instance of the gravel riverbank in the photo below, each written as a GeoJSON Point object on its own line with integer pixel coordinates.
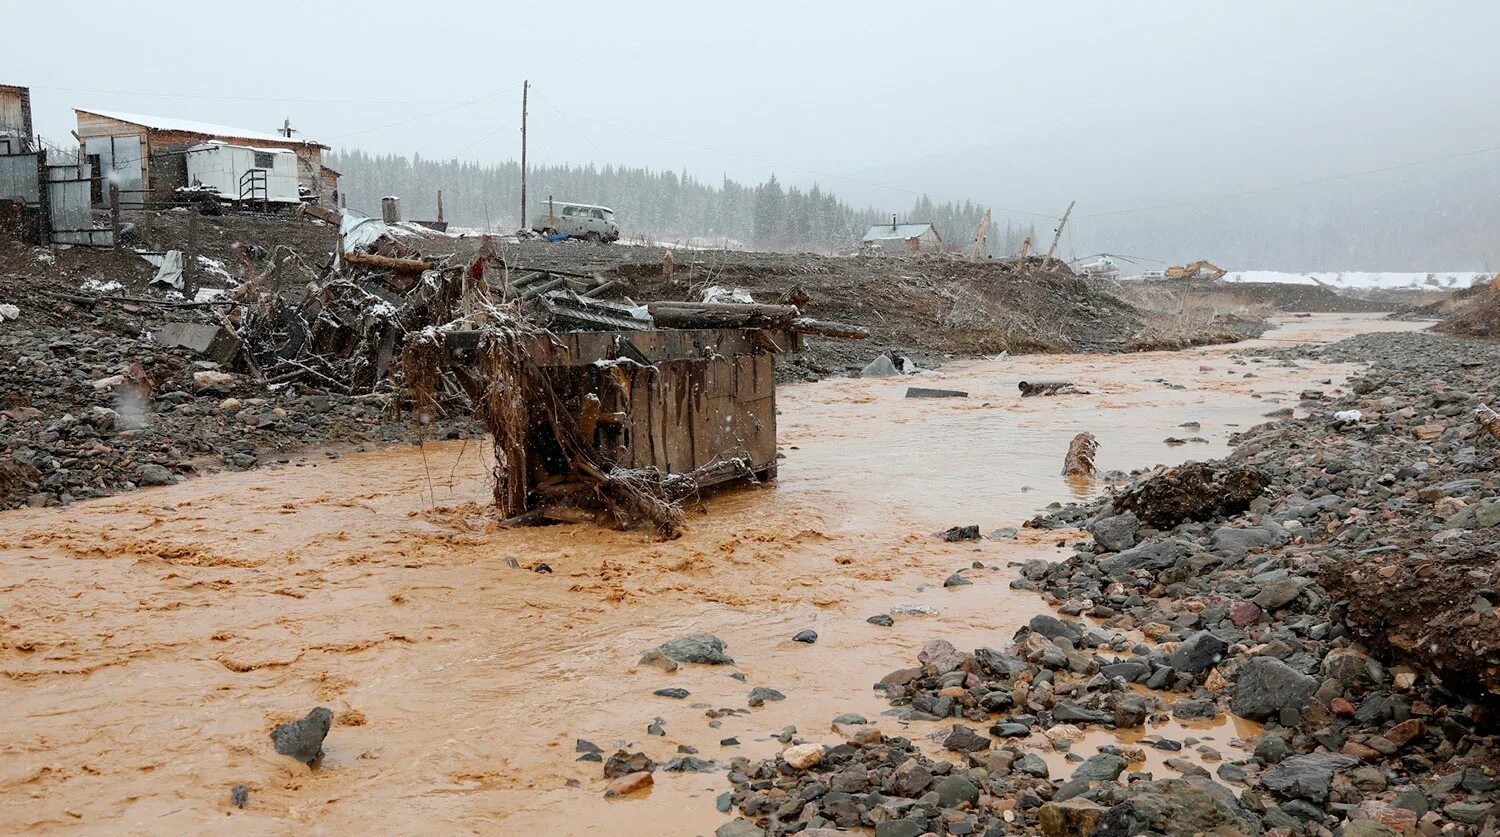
{"type": "Point", "coordinates": [1333, 578]}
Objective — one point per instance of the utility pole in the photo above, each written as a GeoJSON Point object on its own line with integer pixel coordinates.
{"type": "Point", "coordinates": [525, 89]}
{"type": "Point", "coordinates": [1058, 236]}
{"type": "Point", "coordinates": [984, 225]}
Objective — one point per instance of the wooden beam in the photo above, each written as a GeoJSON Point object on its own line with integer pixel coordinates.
{"type": "Point", "coordinates": [389, 262]}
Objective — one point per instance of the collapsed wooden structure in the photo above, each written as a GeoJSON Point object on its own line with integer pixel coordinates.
{"type": "Point", "coordinates": [620, 426]}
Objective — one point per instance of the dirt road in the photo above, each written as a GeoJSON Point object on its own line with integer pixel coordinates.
{"type": "Point", "coordinates": [150, 642]}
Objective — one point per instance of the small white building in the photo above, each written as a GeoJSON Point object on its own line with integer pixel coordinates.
{"type": "Point", "coordinates": [903, 238]}
{"type": "Point", "coordinates": [244, 173]}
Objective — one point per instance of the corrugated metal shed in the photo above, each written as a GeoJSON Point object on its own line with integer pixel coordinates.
{"type": "Point", "coordinates": [901, 232]}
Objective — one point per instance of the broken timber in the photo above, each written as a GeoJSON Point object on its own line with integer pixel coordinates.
{"type": "Point", "coordinates": [388, 262]}
{"type": "Point", "coordinates": [698, 404]}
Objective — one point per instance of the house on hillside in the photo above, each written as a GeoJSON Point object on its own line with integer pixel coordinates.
{"type": "Point", "coordinates": [146, 156]}
{"type": "Point", "coordinates": [902, 238]}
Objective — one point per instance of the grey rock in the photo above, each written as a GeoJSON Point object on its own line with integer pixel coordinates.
{"type": "Point", "coordinates": [674, 692]}
{"type": "Point", "coordinates": [1067, 711]}
{"type": "Point", "coordinates": [760, 694]}
{"type": "Point", "coordinates": [697, 648]}
{"type": "Point", "coordinates": [1234, 544]}
{"type": "Point", "coordinates": [881, 619]}
{"type": "Point", "coordinates": [1265, 686]}
{"type": "Point", "coordinates": [899, 828]}
{"type": "Point", "coordinates": [150, 474]}
{"type": "Point", "coordinates": [1052, 628]}
{"type": "Point", "coordinates": [688, 764]}
{"type": "Point", "coordinates": [1469, 813]}
{"type": "Point", "coordinates": [954, 790]}
{"type": "Point", "coordinates": [1199, 652]}
{"type": "Point", "coordinates": [1133, 671]}
{"type": "Point", "coordinates": [1152, 555]}
{"type": "Point", "coordinates": [303, 740]}
{"type": "Point", "coordinates": [1129, 709]}
{"type": "Point", "coordinates": [623, 763]}
{"type": "Point", "coordinates": [964, 739]}
{"type": "Point", "coordinates": [741, 827]}
{"type": "Point", "coordinates": [1279, 592]}
{"type": "Point", "coordinates": [880, 367]}
{"type": "Point", "coordinates": [1306, 777]}
{"type": "Point", "coordinates": [1116, 533]}
{"type": "Point", "coordinates": [808, 636]}
{"type": "Point", "coordinates": [239, 795]}
{"type": "Point", "coordinates": [1032, 765]}
{"type": "Point", "coordinates": [1176, 808]}
{"type": "Point", "coordinates": [1100, 767]}
{"type": "Point", "coordinates": [956, 580]}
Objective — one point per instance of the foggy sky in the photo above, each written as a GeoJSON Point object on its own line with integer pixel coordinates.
{"type": "Point", "coordinates": [1026, 107]}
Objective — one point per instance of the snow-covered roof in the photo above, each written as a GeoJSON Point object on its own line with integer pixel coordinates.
{"type": "Point", "coordinates": [903, 232]}
{"type": "Point", "coordinates": [169, 123]}
{"type": "Point", "coordinates": [582, 206]}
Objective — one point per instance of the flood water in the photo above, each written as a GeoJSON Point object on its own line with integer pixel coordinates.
{"type": "Point", "coordinates": [149, 643]}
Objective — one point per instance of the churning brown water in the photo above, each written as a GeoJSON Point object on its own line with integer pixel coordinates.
{"type": "Point", "coordinates": [148, 643]}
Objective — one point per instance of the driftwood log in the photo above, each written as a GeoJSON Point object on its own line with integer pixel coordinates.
{"type": "Point", "coordinates": [821, 328]}
{"type": "Point", "coordinates": [721, 315]}
{"type": "Point", "coordinates": [389, 262]}
{"type": "Point", "coordinates": [1080, 458]}
{"type": "Point", "coordinates": [1489, 420]}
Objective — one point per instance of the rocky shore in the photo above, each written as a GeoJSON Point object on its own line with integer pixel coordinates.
{"type": "Point", "coordinates": [1334, 579]}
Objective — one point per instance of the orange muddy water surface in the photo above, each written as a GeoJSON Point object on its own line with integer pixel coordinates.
{"type": "Point", "coordinates": [150, 642]}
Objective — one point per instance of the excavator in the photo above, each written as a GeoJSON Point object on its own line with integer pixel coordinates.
{"type": "Point", "coordinates": [1196, 270]}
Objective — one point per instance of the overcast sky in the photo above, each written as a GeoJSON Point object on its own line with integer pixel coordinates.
{"type": "Point", "coordinates": [1020, 106]}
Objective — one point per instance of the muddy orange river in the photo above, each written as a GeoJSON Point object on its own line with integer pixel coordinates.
{"type": "Point", "coordinates": [149, 643]}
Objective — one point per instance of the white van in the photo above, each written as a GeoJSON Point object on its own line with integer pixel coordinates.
{"type": "Point", "coordinates": [578, 220]}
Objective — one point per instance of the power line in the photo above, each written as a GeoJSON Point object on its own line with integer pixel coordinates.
{"type": "Point", "coordinates": [486, 136]}
{"type": "Point", "coordinates": [565, 118]}
{"type": "Point", "coordinates": [401, 122]}
{"type": "Point", "coordinates": [273, 99]}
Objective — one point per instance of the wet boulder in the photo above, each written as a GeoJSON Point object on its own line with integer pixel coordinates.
{"type": "Point", "coordinates": [1051, 627]}
{"type": "Point", "coordinates": [697, 648]}
{"type": "Point", "coordinates": [1104, 767]}
{"type": "Point", "coordinates": [303, 740]}
{"type": "Point", "coordinates": [1198, 653]}
{"type": "Point", "coordinates": [1176, 808]}
{"type": "Point", "coordinates": [1233, 544]}
{"type": "Point", "coordinates": [1115, 533]}
{"type": "Point", "coordinates": [1069, 818]}
{"type": "Point", "coordinates": [1306, 777]}
{"type": "Point", "coordinates": [1265, 686]}
{"type": "Point", "coordinates": [1151, 555]}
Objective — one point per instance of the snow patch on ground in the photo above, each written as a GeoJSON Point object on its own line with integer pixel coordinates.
{"type": "Point", "coordinates": [101, 286]}
{"type": "Point", "coordinates": [1363, 281]}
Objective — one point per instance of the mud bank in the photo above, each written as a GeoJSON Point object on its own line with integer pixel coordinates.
{"type": "Point", "coordinates": [151, 642]}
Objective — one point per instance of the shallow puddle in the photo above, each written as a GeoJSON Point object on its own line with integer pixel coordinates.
{"type": "Point", "coordinates": [151, 641]}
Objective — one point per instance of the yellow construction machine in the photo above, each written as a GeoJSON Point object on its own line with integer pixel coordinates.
{"type": "Point", "coordinates": [1196, 270]}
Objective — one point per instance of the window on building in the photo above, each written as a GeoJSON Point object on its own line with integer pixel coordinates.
{"type": "Point", "coordinates": [265, 160]}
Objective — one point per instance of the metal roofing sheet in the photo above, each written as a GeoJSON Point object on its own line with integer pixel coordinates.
{"type": "Point", "coordinates": [169, 123]}
{"type": "Point", "coordinates": [901, 231]}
